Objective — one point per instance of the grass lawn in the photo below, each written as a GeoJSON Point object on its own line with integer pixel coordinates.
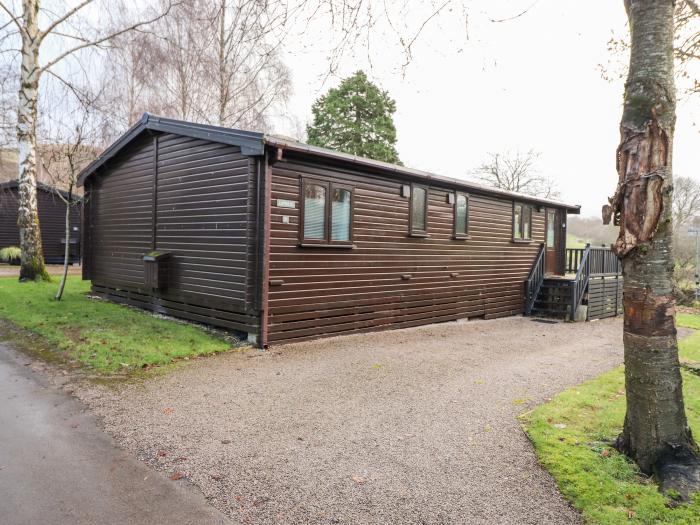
{"type": "Point", "coordinates": [572, 436]}
{"type": "Point", "coordinates": [103, 336]}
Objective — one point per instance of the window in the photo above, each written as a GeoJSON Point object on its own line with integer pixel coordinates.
{"type": "Point", "coordinates": [419, 211]}
{"type": "Point", "coordinates": [461, 215]}
{"type": "Point", "coordinates": [551, 216]}
{"type": "Point", "coordinates": [326, 214]}
{"type": "Point", "coordinates": [522, 219]}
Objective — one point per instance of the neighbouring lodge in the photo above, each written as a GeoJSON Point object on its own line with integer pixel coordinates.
{"type": "Point", "coordinates": [52, 218]}
{"type": "Point", "coordinates": [285, 241]}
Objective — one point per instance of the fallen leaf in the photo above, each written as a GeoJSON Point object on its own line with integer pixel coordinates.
{"type": "Point", "coordinates": [358, 479]}
{"type": "Point", "coordinates": [177, 475]}
{"type": "Point", "coordinates": [167, 411]}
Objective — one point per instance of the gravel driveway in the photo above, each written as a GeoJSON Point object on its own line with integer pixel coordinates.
{"type": "Point", "coordinates": [408, 426]}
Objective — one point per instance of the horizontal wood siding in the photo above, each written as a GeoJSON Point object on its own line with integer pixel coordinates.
{"type": "Point", "coordinates": [604, 296]}
{"type": "Point", "coordinates": [121, 202]}
{"type": "Point", "coordinates": [199, 213]}
{"type": "Point", "coordinates": [52, 217]}
{"type": "Point", "coordinates": [327, 291]}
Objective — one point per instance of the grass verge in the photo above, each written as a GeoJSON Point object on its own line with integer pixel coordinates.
{"type": "Point", "coordinates": [106, 337]}
{"type": "Point", "coordinates": [573, 433]}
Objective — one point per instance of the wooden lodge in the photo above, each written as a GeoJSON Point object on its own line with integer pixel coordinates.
{"type": "Point", "coordinates": [52, 218]}
{"type": "Point", "coordinates": [286, 242]}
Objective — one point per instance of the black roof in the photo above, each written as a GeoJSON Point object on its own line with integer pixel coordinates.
{"type": "Point", "coordinates": [39, 186]}
{"type": "Point", "coordinates": [253, 143]}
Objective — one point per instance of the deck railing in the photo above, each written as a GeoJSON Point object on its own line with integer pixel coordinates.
{"type": "Point", "coordinates": [534, 281]}
{"type": "Point", "coordinates": [573, 259]}
{"type": "Point", "coordinates": [603, 260]}
{"type": "Point", "coordinates": [580, 282]}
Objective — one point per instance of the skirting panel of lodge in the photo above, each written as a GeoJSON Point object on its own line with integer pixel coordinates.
{"type": "Point", "coordinates": [604, 296]}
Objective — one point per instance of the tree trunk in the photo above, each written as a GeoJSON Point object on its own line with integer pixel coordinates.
{"type": "Point", "coordinates": [66, 252]}
{"type": "Point", "coordinates": [656, 433]}
{"type": "Point", "coordinates": [32, 259]}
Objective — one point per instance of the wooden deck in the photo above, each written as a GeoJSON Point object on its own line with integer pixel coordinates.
{"type": "Point", "coordinates": [593, 280]}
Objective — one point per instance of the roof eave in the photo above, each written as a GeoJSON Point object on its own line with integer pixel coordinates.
{"type": "Point", "coordinates": [251, 143]}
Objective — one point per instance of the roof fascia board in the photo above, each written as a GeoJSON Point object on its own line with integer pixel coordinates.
{"type": "Point", "coordinates": [251, 144]}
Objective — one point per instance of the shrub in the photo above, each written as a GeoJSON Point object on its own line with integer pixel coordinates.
{"type": "Point", "coordinates": [10, 254]}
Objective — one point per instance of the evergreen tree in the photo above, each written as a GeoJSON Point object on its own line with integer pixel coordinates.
{"type": "Point", "coordinates": [356, 118]}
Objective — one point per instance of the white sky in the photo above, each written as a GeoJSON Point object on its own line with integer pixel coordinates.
{"type": "Point", "coordinates": [532, 82]}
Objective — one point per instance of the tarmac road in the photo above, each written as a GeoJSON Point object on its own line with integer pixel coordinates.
{"type": "Point", "coordinates": [57, 465]}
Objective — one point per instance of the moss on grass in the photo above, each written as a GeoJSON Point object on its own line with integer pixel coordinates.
{"type": "Point", "coordinates": [573, 435]}
{"type": "Point", "coordinates": [106, 337]}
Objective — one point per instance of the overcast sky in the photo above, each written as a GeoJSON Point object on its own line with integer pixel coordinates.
{"type": "Point", "coordinates": [531, 82]}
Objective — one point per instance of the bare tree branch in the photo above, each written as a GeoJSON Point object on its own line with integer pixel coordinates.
{"type": "Point", "coordinates": [110, 36]}
{"type": "Point", "coordinates": [60, 20]}
{"type": "Point", "coordinates": [14, 19]}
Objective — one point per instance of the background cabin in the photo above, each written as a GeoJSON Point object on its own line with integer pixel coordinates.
{"type": "Point", "coordinates": [286, 241]}
{"type": "Point", "coordinates": [52, 218]}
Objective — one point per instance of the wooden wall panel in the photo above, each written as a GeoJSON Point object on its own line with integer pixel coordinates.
{"type": "Point", "coordinates": [199, 213]}
{"type": "Point", "coordinates": [51, 218]}
{"type": "Point", "coordinates": [329, 291]}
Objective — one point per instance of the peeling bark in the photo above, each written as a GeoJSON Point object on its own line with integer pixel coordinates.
{"type": "Point", "coordinates": [656, 433]}
{"type": "Point", "coordinates": [32, 259]}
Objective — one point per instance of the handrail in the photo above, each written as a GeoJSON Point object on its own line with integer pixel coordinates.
{"type": "Point", "coordinates": [603, 260]}
{"type": "Point", "coordinates": [534, 281]}
{"type": "Point", "coordinates": [580, 282]}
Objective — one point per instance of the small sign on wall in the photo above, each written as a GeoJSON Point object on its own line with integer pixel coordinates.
{"type": "Point", "coordinates": [285, 203]}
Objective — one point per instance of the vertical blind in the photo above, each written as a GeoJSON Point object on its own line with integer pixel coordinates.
{"type": "Point", "coordinates": [314, 212]}
{"type": "Point", "coordinates": [517, 212]}
{"type": "Point", "coordinates": [418, 209]}
{"type": "Point", "coordinates": [461, 215]}
{"type": "Point", "coordinates": [340, 215]}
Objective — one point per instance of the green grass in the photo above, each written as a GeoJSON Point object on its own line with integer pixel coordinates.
{"type": "Point", "coordinates": [106, 337]}
{"type": "Point", "coordinates": [573, 433]}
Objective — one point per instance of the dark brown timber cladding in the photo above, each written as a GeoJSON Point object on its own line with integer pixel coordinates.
{"type": "Point", "coordinates": [326, 291]}
{"type": "Point", "coordinates": [52, 218]}
{"type": "Point", "coordinates": [604, 296]}
{"type": "Point", "coordinates": [202, 217]}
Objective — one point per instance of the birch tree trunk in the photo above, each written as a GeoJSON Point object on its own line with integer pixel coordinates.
{"type": "Point", "coordinates": [32, 261]}
{"type": "Point", "coordinates": [656, 433]}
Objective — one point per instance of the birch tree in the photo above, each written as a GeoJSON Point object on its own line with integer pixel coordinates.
{"type": "Point", "coordinates": [33, 39]}
{"type": "Point", "coordinates": [656, 433]}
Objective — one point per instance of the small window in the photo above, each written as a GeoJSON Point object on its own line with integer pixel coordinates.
{"type": "Point", "coordinates": [326, 220]}
{"type": "Point", "coordinates": [550, 228]}
{"type": "Point", "coordinates": [522, 218]}
{"type": "Point", "coordinates": [314, 212]}
{"type": "Point", "coordinates": [461, 215]}
{"type": "Point", "coordinates": [340, 214]}
{"type": "Point", "coordinates": [419, 210]}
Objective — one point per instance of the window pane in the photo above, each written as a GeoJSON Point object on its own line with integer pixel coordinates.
{"type": "Point", "coordinates": [418, 209]}
{"type": "Point", "coordinates": [527, 215]}
{"type": "Point", "coordinates": [550, 229]}
{"type": "Point", "coordinates": [314, 212]}
{"type": "Point", "coordinates": [461, 215]}
{"type": "Point", "coordinates": [340, 215]}
{"type": "Point", "coordinates": [517, 212]}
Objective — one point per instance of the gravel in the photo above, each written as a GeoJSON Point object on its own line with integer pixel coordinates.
{"type": "Point", "coordinates": [405, 426]}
